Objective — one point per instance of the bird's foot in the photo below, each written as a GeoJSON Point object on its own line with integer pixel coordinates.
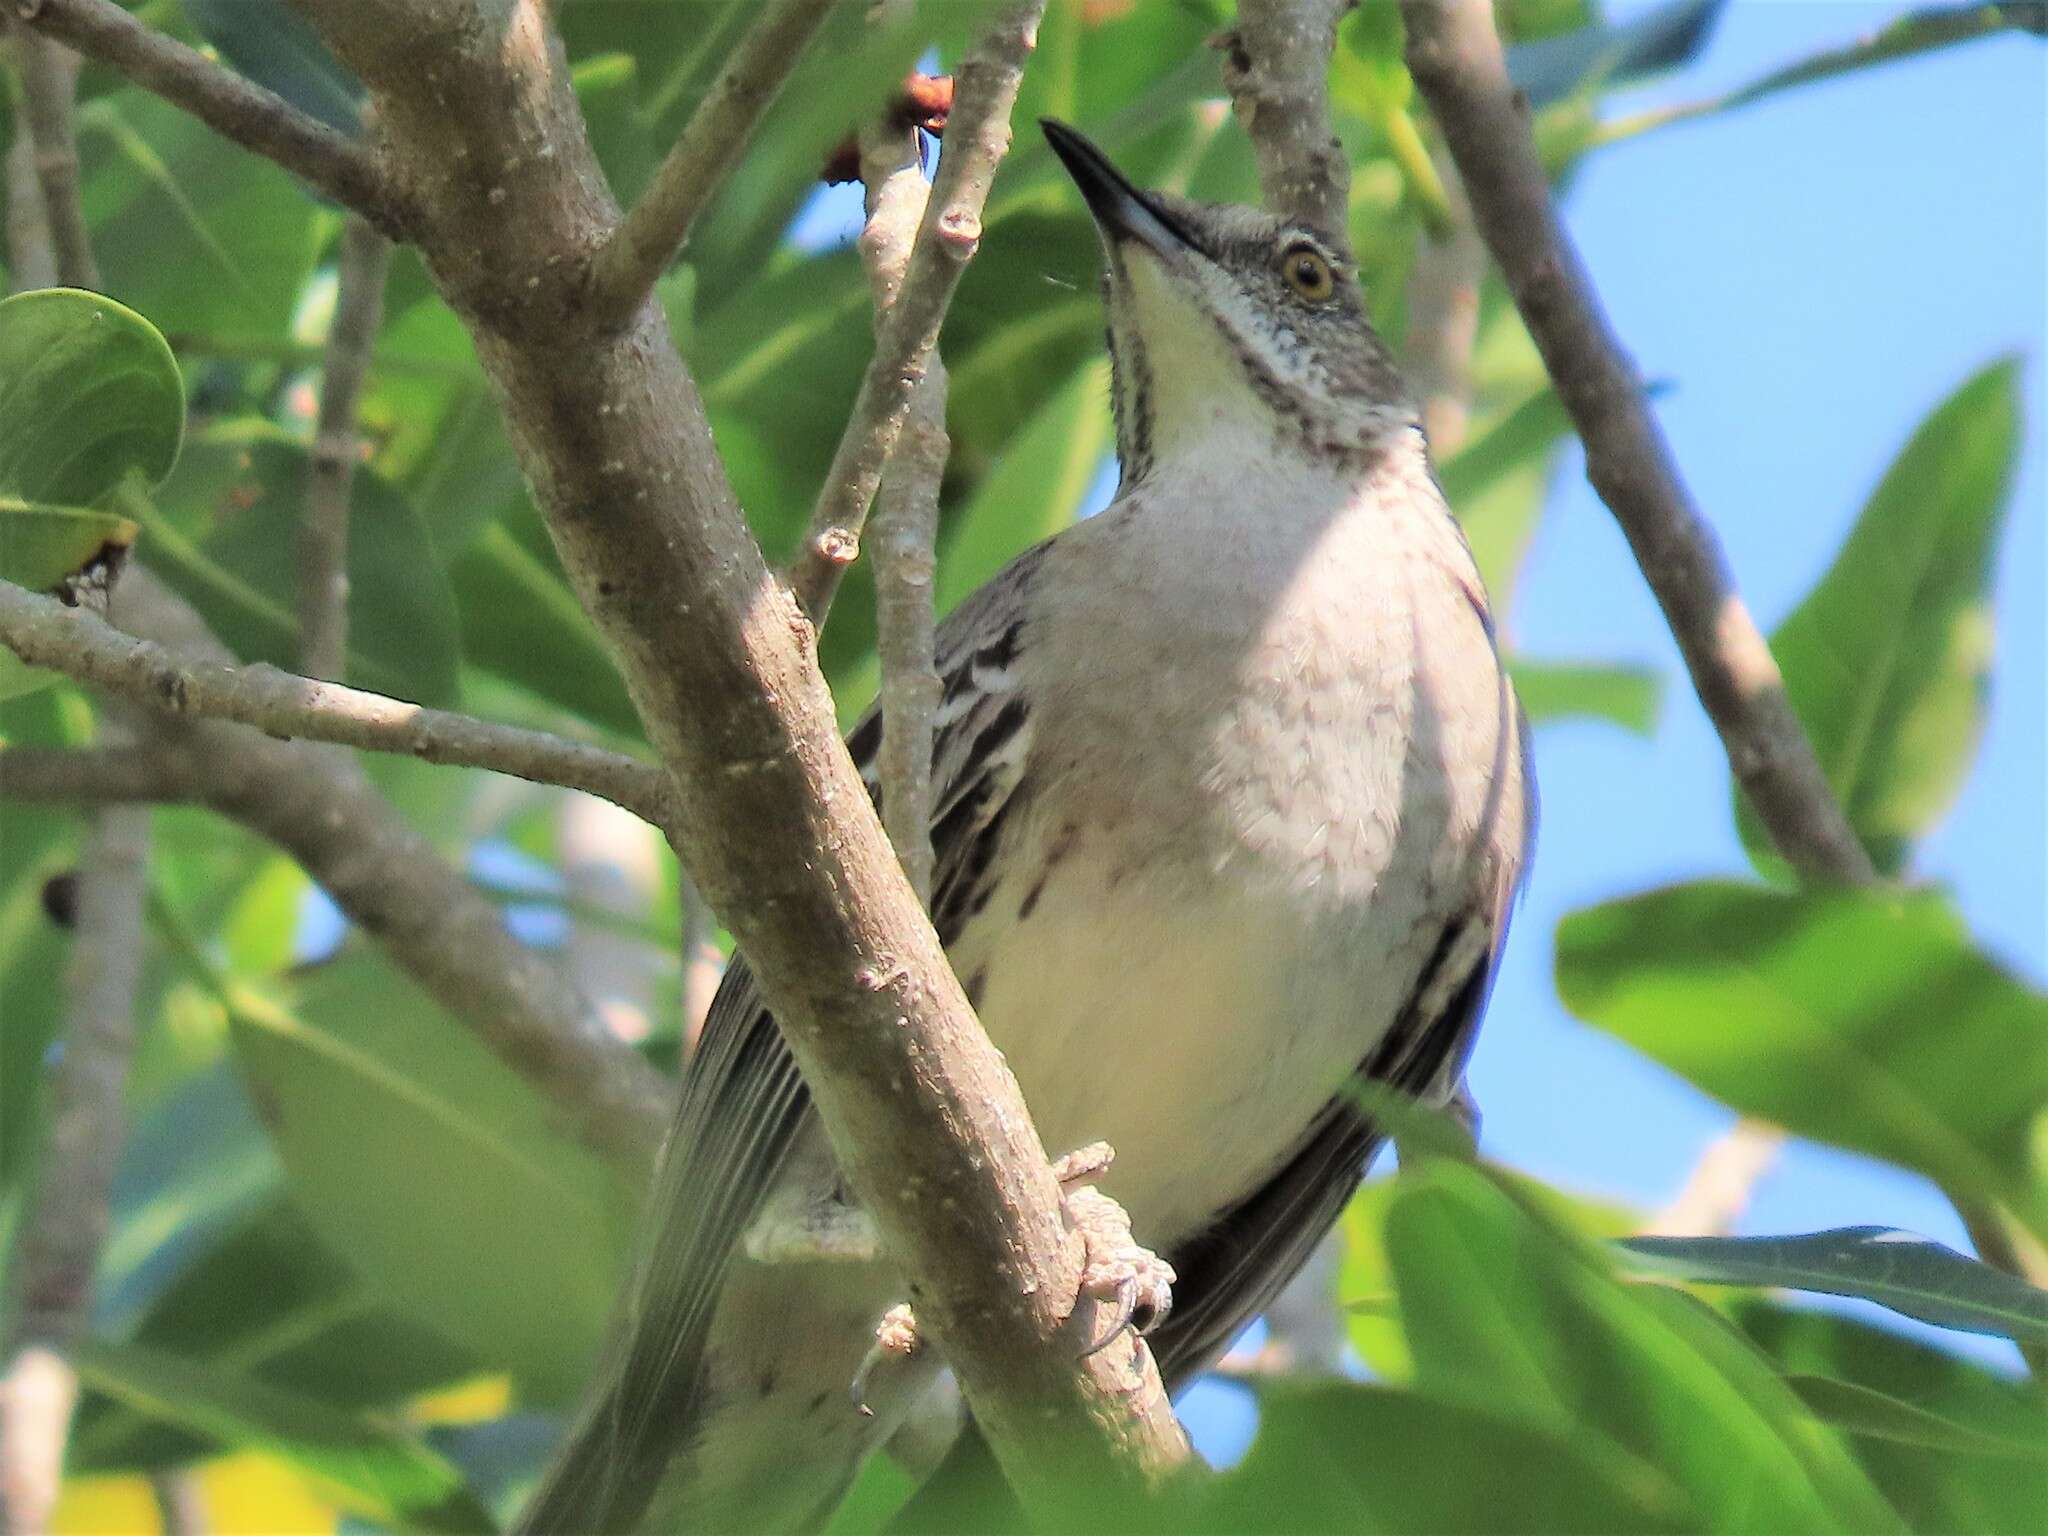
{"type": "Point", "coordinates": [897, 1343]}
{"type": "Point", "coordinates": [1128, 1281]}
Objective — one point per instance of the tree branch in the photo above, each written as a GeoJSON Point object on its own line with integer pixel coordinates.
{"type": "Point", "coordinates": [1722, 1182]}
{"type": "Point", "coordinates": [93, 776]}
{"type": "Point", "coordinates": [31, 258]}
{"type": "Point", "coordinates": [1276, 66]}
{"type": "Point", "coordinates": [57, 1247]}
{"type": "Point", "coordinates": [906, 518]}
{"type": "Point", "coordinates": [235, 108]}
{"type": "Point", "coordinates": [773, 823]}
{"type": "Point", "coordinates": [1455, 57]}
{"type": "Point", "coordinates": [393, 885]}
{"type": "Point", "coordinates": [45, 633]}
{"type": "Point", "coordinates": [977, 138]}
{"type": "Point", "coordinates": [49, 76]}
{"type": "Point", "coordinates": [640, 248]}
{"type": "Point", "coordinates": [323, 525]}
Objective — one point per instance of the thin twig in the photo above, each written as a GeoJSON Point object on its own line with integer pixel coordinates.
{"type": "Point", "coordinates": [394, 886]}
{"type": "Point", "coordinates": [323, 527]}
{"type": "Point", "coordinates": [640, 248]}
{"type": "Point", "coordinates": [906, 517]}
{"type": "Point", "coordinates": [233, 107]}
{"type": "Point", "coordinates": [1276, 66]}
{"type": "Point", "coordinates": [1722, 1182]}
{"type": "Point", "coordinates": [1455, 56]}
{"type": "Point", "coordinates": [977, 138]}
{"type": "Point", "coordinates": [45, 633]}
{"type": "Point", "coordinates": [49, 76]}
{"type": "Point", "coordinates": [1443, 318]}
{"type": "Point", "coordinates": [2004, 1245]}
{"type": "Point", "coordinates": [180, 1502]}
{"type": "Point", "coordinates": [57, 1246]}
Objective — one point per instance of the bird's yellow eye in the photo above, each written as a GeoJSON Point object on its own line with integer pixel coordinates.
{"type": "Point", "coordinates": [1307, 271]}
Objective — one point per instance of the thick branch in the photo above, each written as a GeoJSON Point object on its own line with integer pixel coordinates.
{"type": "Point", "coordinates": [977, 138]}
{"type": "Point", "coordinates": [233, 107]}
{"type": "Point", "coordinates": [774, 824]}
{"type": "Point", "coordinates": [323, 527]}
{"type": "Point", "coordinates": [393, 885]}
{"type": "Point", "coordinates": [906, 521]}
{"type": "Point", "coordinates": [45, 633]}
{"type": "Point", "coordinates": [646, 241]}
{"type": "Point", "coordinates": [1455, 56]}
{"type": "Point", "coordinates": [1276, 66]}
{"type": "Point", "coordinates": [57, 1247]}
{"type": "Point", "coordinates": [95, 776]}
{"type": "Point", "coordinates": [49, 75]}
{"type": "Point", "coordinates": [31, 258]}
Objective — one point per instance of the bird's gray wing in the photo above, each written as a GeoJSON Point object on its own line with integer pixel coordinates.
{"type": "Point", "coordinates": [744, 1107]}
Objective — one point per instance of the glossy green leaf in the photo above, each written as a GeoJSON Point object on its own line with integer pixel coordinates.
{"type": "Point", "coordinates": [1560, 690]}
{"type": "Point", "coordinates": [1344, 1457]}
{"type": "Point", "coordinates": [1859, 1410]}
{"type": "Point", "coordinates": [224, 535]}
{"type": "Point", "coordinates": [432, 1168]}
{"type": "Point", "coordinates": [1863, 1019]}
{"type": "Point", "coordinates": [1910, 1274]}
{"type": "Point", "coordinates": [1504, 1312]}
{"type": "Point", "coordinates": [380, 1471]}
{"type": "Point", "coordinates": [1946, 1489]}
{"type": "Point", "coordinates": [269, 1301]}
{"type": "Point", "coordinates": [1888, 659]}
{"type": "Point", "coordinates": [89, 394]}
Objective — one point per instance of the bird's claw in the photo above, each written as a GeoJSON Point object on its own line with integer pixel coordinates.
{"type": "Point", "coordinates": [896, 1342]}
{"type": "Point", "coordinates": [1131, 1283]}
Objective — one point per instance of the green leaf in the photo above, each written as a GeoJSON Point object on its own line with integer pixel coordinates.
{"type": "Point", "coordinates": [223, 534]}
{"type": "Point", "coordinates": [1343, 1457]}
{"type": "Point", "coordinates": [1561, 690]}
{"type": "Point", "coordinates": [1910, 1274]}
{"type": "Point", "coordinates": [1035, 488]}
{"type": "Point", "coordinates": [89, 394]}
{"type": "Point", "coordinates": [270, 1302]}
{"type": "Point", "coordinates": [267, 41]}
{"type": "Point", "coordinates": [432, 1168]}
{"type": "Point", "coordinates": [1888, 659]}
{"type": "Point", "coordinates": [1613, 53]}
{"type": "Point", "coordinates": [1937, 1490]}
{"type": "Point", "coordinates": [1861, 1411]}
{"type": "Point", "coordinates": [1864, 1019]}
{"type": "Point", "coordinates": [379, 1470]}
{"type": "Point", "coordinates": [1507, 1312]}
{"type": "Point", "coordinates": [521, 623]}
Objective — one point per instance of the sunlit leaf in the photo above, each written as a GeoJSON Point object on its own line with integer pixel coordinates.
{"type": "Point", "coordinates": [432, 1168]}
{"type": "Point", "coordinates": [1900, 1270]}
{"type": "Point", "coordinates": [382, 1472]}
{"type": "Point", "coordinates": [1888, 659]}
{"type": "Point", "coordinates": [1559, 690]}
{"type": "Point", "coordinates": [1504, 1313]}
{"type": "Point", "coordinates": [1865, 1019]}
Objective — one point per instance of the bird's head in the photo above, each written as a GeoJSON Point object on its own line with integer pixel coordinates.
{"type": "Point", "coordinates": [1225, 321]}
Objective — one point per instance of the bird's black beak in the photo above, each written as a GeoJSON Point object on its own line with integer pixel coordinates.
{"type": "Point", "coordinates": [1121, 211]}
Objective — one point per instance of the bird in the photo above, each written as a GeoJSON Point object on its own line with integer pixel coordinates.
{"type": "Point", "coordinates": [1233, 800]}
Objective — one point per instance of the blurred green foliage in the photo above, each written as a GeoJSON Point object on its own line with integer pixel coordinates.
{"type": "Point", "coordinates": [335, 1205]}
